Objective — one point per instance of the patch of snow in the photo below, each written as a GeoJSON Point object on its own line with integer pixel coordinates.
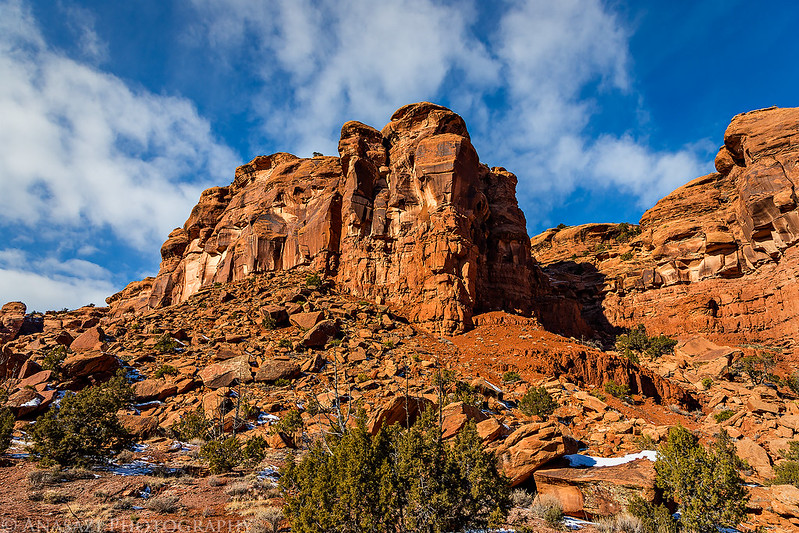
{"type": "Point", "coordinates": [575, 523]}
{"type": "Point", "coordinates": [36, 402]}
{"type": "Point", "coordinates": [147, 405]}
{"type": "Point", "coordinates": [139, 447]}
{"type": "Point", "coordinates": [269, 473]}
{"type": "Point", "coordinates": [264, 419]}
{"type": "Point", "coordinates": [579, 460]}
{"type": "Point", "coordinates": [138, 467]}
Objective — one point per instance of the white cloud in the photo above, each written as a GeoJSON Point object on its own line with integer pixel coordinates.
{"type": "Point", "coordinates": [79, 148]}
{"type": "Point", "coordinates": [351, 59]}
{"type": "Point", "coordinates": [323, 63]}
{"type": "Point", "coordinates": [49, 283]}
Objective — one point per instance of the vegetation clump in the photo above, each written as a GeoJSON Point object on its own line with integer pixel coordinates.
{"type": "Point", "coordinates": [537, 401]}
{"type": "Point", "coordinates": [54, 358]}
{"type": "Point", "coordinates": [165, 370]}
{"type": "Point", "coordinates": [625, 231]}
{"type": "Point", "coordinates": [704, 482]}
{"type": "Point", "coordinates": [511, 376]}
{"type": "Point", "coordinates": [617, 390]}
{"type": "Point", "coordinates": [636, 342]}
{"type": "Point", "coordinates": [397, 480]}
{"type": "Point", "coordinates": [192, 425]}
{"type": "Point", "coordinates": [84, 428]}
{"type": "Point", "coordinates": [757, 367]}
{"type": "Point", "coordinates": [223, 455]}
{"type": "Point", "coordinates": [787, 471]}
{"type": "Point", "coordinates": [165, 344]}
{"type": "Point", "coordinates": [6, 424]}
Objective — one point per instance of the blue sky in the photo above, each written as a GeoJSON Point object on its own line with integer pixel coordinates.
{"type": "Point", "coordinates": [115, 115]}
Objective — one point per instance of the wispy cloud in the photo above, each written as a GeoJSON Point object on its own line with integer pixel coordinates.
{"type": "Point", "coordinates": [528, 87]}
{"type": "Point", "coordinates": [41, 282]}
{"type": "Point", "coordinates": [83, 149]}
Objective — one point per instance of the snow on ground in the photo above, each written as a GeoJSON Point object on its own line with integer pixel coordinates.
{"type": "Point", "coordinates": [580, 460]}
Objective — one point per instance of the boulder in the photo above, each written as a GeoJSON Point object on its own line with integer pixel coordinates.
{"type": "Point", "coordinates": [756, 456]}
{"type": "Point", "coordinates": [456, 415]}
{"type": "Point", "coordinates": [93, 339]}
{"type": "Point", "coordinates": [306, 321]}
{"type": "Point", "coordinates": [141, 426]}
{"type": "Point", "coordinates": [320, 334]}
{"type": "Point", "coordinates": [393, 411]}
{"type": "Point", "coordinates": [225, 374]}
{"type": "Point", "coordinates": [597, 491]}
{"type": "Point", "coordinates": [530, 447]}
{"type": "Point", "coordinates": [276, 369]}
{"type": "Point", "coordinates": [12, 316]}
{"type": "Point", "coordinates": [85, 364]}
{"type": "Point", "coordinates": [276, 314]}
{"type": "Point", "coordinates": [153, 389]}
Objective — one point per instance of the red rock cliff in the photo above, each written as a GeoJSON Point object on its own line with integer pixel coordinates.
{"type": "Point", "coordinates": [717, 256]}
{"type": "Point", "coordinates": [407, 215]}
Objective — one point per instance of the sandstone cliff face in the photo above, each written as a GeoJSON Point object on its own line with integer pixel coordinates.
{"type": "Point", "coordinates": [717, 256]}
{"type": "Point", "coordinates": [407, 215]}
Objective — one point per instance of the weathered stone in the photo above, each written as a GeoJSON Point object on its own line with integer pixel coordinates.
{"type": "Point", "coordinates": [597, 491]}
{"type": "Point", "coordinates": [276, 369]}
{"type": "Point", "coordinates": [276, 315]}
{"type": "Point", "coordinates": [394, 412]}
{"type": "Point", "coordinates": [320, 334]}
{"type": "Point", "coordinates": [81, 365]}
{"type": "Point", "coordinates": [756, 456]}
{"type": "Point", "coordinates": [90, 340]}
{"type": "Point", "coordinates": [225, 374]}
{"type": "Point", "coordinates": [12, 316]}
{"type": "Point", "coordinates": [456, 415]}
{"type": "Point", "coordinates": [530, 447]}
{"type": "Point", "coordinates": [306, 321]}
{"type": "Point", "coordinates": [153, 389]}
{"type": "Point", "coordinates": [141, 426]}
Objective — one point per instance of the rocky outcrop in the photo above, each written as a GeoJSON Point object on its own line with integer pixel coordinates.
{"type": "Point", "coordinates": [530, 447]}
{"type": "Point", "coordinates": [598, 491]}
{"type": "Point", "coordinates": [407, 215]}
{"type": "Point", "coordinates": [710, 258]}
{"type": "Point", "coordinates": [12, 316]}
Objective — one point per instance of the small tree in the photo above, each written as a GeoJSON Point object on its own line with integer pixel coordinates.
{"type": "Point", "coordinates": [758, 367]}
{"type": "Point", "coordinates": [705, 482]}
{"type": "Point", "coordinates": [787, 471]}
{"type": "Point", "coordinates": [636, 342]}
{"type": "Point", "coordinates": [6, 424]}
{"type": "Point", "coordinates": [398, 480]}
{"type": "Point", "coordinates": [84, 428]}
{"type": "Point", "coordinates": [537, 402]}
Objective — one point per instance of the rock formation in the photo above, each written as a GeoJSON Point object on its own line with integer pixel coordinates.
{"type": "Point", "coordinates": [407, 215]}
{"type": "Point", "coordinates": [717, 256]}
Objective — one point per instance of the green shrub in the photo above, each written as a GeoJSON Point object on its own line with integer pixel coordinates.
{"type": "Point", "coordinates": [706, 483]}
{"type": "Point", "coordinates": [561, 226]}
{"type": "Point", "coordinates": [758, 367]}
{"type": "Point", "coordinates": [397, 480]}
{"type": "Point", "coordinates": [254, 451]}
{"type": "Point", "coordinates": [6, 428]}
{"type": "Point", "coordinates": [707, 383]}
{"type": "Point", "coordinates": [654, 518]}
{"type": "Point", "coordinates": [222, 455]}
{"type": "Point", "coordinates": [165, 370]}
{"type": "Point", "coordinates": [549, 509]}
{"type": "Point", "coordinates": [511, 376]}
{"type": "Point", "coordinates": [313, 280]}
{"type": "Point", "coordinates": [54, 358]}
{"type": "Point", "coordinates": [282, 382]}
{"type": "Point", "coordinates": [284, 343]}
{"type": "Point", "coordinates": [721, 416]}
{"type": "Point", "coordinates": [267, 322]}
{"type": "Point", "coordinates": [289, 424]}
{"type": "Point", "coordinates": [787, 471]}
{"type": "Point", "coordinates": [84, 428]}
{"type": "Point", "coordinates": [636, 342]}
{"type": "Point", "coordinates": [165, 344]}
{"type": "Point", "coordinates": [537, 402]}
{"type": "Point", "coordinates": [626, 256]}
{"type": "Point", "coordinates": [192, 425]}
{"type": "Point", "coordinates": [624, 232]}
{"type": "Point", "coordinates": [616, 389]}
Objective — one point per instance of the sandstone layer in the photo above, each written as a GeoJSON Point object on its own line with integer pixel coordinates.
{"type": "Point", "coordinates": [407, 215]}
{"type": "Point", "coordinates": [717, 256]}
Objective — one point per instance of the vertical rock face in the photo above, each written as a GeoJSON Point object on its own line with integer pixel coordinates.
{"type": "Point", "coordinates": [12, 316]}
{"type": "Point", "coordinates": [407, 215]}
{"type": "Point", "coordinates": [717, 256]}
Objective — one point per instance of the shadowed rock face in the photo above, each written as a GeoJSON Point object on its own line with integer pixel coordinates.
{"type": "Point", "coordinates": [407, 215]}
{"type": "Point", "coordinates": [717, 256]}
